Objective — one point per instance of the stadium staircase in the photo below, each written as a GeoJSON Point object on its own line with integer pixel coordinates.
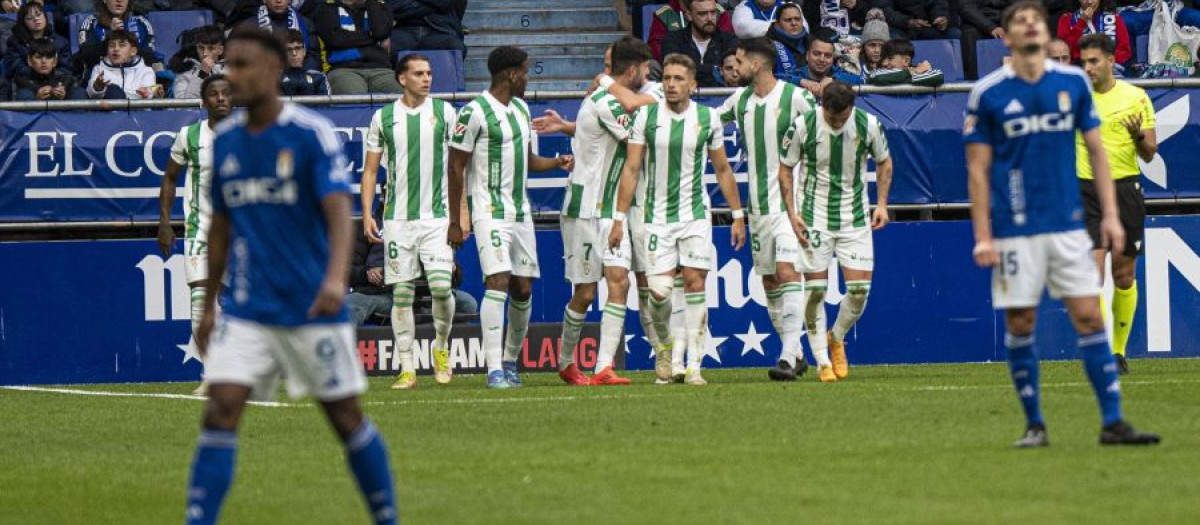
{"type": "Point", "coordinates": [565, 39]}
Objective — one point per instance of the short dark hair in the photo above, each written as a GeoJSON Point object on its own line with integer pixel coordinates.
{"type": "Point", "coordinates": [821, 34]}
{"type": "Point", "coordinates": [504, 58]}
{"type": "Point", "coordinates": [271, 43]}
{"type": "Point", "coordinates": [629, 52]}
{"type": "Point", "coordinates": [1099, 41]}
{"type": "Point", "coordinates": [760, 47]}
{"type": "Point", "coordinates": [208, 83]}
{"type": "Point", "coordinates": [402, 64]}
{"type": "Point", "coordinates": [210, 35]}
{"type": "Point", "coordinates": [42, 47]}
{"type": "Point", "coordinates": [837, 96]}
{"type": "Point", "coordinates": [1011, 11]}
{"type": "Point", "coordinates": [119, 35]}
{"type": "Point", "coordinates": [898, 46]}
{"type": "Point", "coordinates": [677, 59]}
{"type": "Point", "coordinates": [293, 36]}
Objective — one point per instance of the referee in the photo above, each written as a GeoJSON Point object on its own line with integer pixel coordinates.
{"type": "Point", "coordinates": [1127, 129]}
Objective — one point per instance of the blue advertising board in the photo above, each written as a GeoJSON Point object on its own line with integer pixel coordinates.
{"type": "Point", "coordinates": [107, 166]}
{"type": "Point", "coordinates": [117, 311]}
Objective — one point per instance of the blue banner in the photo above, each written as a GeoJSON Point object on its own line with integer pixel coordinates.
{"type": "Point", "coordinates": [76, 166]}
{"type": "Point", "coordinates": [117, 311]}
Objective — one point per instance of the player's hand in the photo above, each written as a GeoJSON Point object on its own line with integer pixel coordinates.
{"type": "Point", "coordinates": [204, 333]}
{"type": "Point", "coordinates": [329, 299]}
{"type": "Point", "coordinates": [1112, 234]}
{"type": "Point", "coordinates": [880, 218]}
{"type": "Point", "coordinates": [371, 229]}
{"type": "Point", "coordinates": [166, 238]}
{"type": "Point", "coordinates": [615, 234]}
{"type": "Point", "coordinates": [998, 32]}
{"type": "Point", "coordinates": [375, 276]}
{"type": "Point", "coordinates": [566, 162]}
{"type": "Point", "coordinates": [1133, 124]}
{"type": "Point", "coordinates": [985, 254]}
{"type": "Point", "coordinates": [455, 236]}
{"type": "Point", "coordinates": [737, 234]}
{"type": "Point", "coordinates": [800, 229]}
{"type": "Point", "coordinates": [550, 122]}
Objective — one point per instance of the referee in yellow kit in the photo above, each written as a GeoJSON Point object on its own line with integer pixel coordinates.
{"type": "Point", "coordinates": [1127, 129]}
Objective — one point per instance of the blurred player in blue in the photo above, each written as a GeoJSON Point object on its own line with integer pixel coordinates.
{"type": "Point", "coordinates": [1020, 133]}
{"type": "Point", "coordinates": [281, 219]}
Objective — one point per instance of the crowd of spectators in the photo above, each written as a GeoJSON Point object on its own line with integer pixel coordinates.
{"type": "Point", "coordinates": [334, 46]}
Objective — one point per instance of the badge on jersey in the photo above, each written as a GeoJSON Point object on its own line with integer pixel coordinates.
{"type": "Point", "coordinates": [229, 167]}
{"type": "Point", "coordinates": [285, 165]}
{"type": "Point", "coordinates": [1064, 102]}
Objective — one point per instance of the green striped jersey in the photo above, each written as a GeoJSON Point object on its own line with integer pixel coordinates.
{"type": "Point", "coordinates": [413, 143]}
{"type": "Point", "coordinates": [601, 129]}
{"type": "Point", "coordinates": [831, 189]}
{"type": "Point", "coordinates": [499, 138]}
{"type": "Point", "coordinates": [193, 149]}
{"type": "Point", "coordinates": [763, 121]}
{"type": "Point", "coordinates": [677, 147]}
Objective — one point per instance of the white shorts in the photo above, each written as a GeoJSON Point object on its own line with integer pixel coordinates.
{"type": "Point", "coordinates": [772, 241]}
{"type": "Point", "coordinates": [506, 246]}
{"type": "Point", "coordinates": [637, 232]}
{"type": "Point", "coordinates": [318, 359]}
{"type": "Point", "coordinates": [669, 246]}
{"type": "Point", "coordinates": [854, 250]}
{"type": "Point", "coordinates": [1063, 261]}
{"type": "Point", "coordinates": [585, 249]}
{"type": "Point", "coordinates": [410, 245]}
{"type": "Point", "coordinates": [195, 252]}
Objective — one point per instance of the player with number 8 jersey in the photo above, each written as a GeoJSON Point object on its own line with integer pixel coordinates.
{"type": "Point", "coordinates": [411, 136]}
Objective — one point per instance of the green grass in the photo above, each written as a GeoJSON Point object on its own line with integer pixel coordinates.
{"type": "Point", "coordinates": [901, 444]}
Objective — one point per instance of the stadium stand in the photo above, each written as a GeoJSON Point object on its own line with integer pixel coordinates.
{"type": "Point", "coordinates": [943, 54]}
{"type": "Point", "coordinates": [989, 55]}
{"type": "Point", "coordinates": [168, 25]}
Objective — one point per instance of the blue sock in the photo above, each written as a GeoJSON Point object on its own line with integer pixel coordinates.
{"type": "Point", "coordinates": [369, 461]}
{"type": "Point", "coordinates": [1102, 372]}
{"type": "Point", "coordinates": [212, 474]}
{"type": "Point", "coordinates": [1023, 366]}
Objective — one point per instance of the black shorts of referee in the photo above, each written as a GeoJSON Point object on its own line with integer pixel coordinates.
{"type": "Point", "coordinates": [1131, 207]}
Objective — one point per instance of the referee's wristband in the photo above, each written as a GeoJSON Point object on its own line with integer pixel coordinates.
{"type": "Point", "coordinates": [618, 216]}
{"type": "Point", "coordinates": [606, 81]}
{"type": "Point", "coordinates": [739, 214]}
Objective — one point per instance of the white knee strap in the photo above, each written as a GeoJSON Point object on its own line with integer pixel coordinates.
{"type": "Point", "coordinates": [660, 285]}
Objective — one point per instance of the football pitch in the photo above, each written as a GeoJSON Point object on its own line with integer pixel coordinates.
{"type": "Point", "coordinates": [891, 444]}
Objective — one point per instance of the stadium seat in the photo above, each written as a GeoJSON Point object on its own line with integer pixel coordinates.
{"type": "Point", "coordinates": [168, 25]}
{"type": "Point", "coordinates": [442, 61]}
{"type": "Point", "coordinates": [648, 19]}
{"type": "Point", "coordinates": [1142, 49]}
{"type": "Point", "coordinates": [989, 55]}
{"type": "Point", "coordinates": [943, 54]}
{"type": "Point", "coordinates": [74, 22]}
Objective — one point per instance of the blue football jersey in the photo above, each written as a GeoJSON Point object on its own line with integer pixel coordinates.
{"type": "Point", "coordinates": [270, 185]}
{"type": "Point", "coordinates": [1031, 128]}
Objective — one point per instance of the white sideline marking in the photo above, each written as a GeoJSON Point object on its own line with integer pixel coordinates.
{"type": "Point", "coordinates": [77, 392]}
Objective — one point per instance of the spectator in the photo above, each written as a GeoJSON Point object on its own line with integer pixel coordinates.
{"type": "Point", "coordinates": [673, 17]}
{"type": "Point", "coordinates": [42, 79]}
{"type": "Point", "coordinates": [788, 34]}
{"type": "Point", "coordinates": [1059, 51]}
{"type": "Point", "coordinates": [1092, 17]}
{"type": "Point", "coordinates": [846, 17]}
{"type": "Point", "coordinates": [279, 16]}
{"type": "Point", "coordinates": [820, 70]}
{"type": "Point", "coordinates": [753, 18]}
{"type": "Point", "coordinates": [898, 69]}
{"type": "Point", "coordinates": [122, 74]}
{"type": "Point", "coordinates": [702, 43]}
{"type": "Point", "coordinates": [33, 24]}
{"type": "Point", "coordinates": [874, 36]}
{"type": "Point", "coordinates": [729, 71]}
{"type": "Point", "coordinates": [919, 19]}
{"type": "Point", "coordinates": [355, 39]}
{"type": "Point", "coordinates": [428, 24]}
{"type": "Point", "coordinates": [369, 294]}
{"type": "Point", "coordinates": [210, 53]}
{"type": "Point", "coordinates": [112, 15]}
{"type": "Point", "coordinates": [980, 21]}
{"type": "Point", "coordinates": [298, 79]}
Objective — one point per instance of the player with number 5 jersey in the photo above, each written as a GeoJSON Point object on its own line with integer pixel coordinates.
{"type": "Point", "coordinates": [411, 136]}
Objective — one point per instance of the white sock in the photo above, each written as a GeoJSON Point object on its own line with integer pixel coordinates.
{"type": "Point", "coordinates": [402, 324]}
{"type": "Point", "coordinates": [678, 322]}
{"type": "Point", "coordinates": [815, 320]}
{"type": "Point", "coordinates": [518, 327]}
{"type": "Point", "coordinates": [851, 309]}
{"type": "Point", "coordinates": [443, 307]}
{"type": "Point", "coordinates": [660, 316]}
{"type": "Point", "coordinates": [791, 325]}
{"type": "Point", "coordinates": [572, 325]}
{"type": "Point", "coordinates": [198, 294]}
{"type": "Point", "coordinates": [774, 305]}
{"type": "Point", "coordinates": [646, 319]}
{"type": "Point", "coordinates": [491, 321]}
{"type": "Point", "coordinates": [697, 328]}
{"type": "Point", "coordinates": [612, 325]}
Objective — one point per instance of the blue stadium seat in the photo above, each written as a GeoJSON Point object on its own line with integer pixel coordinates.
{"type": "Point", "coordinates": [989, 55]}
{"type": "Point", "coordinates": [74, 22]}
{"type": "Point", "coordinates": [944, 54]}
{"type": "Point", "coordinates": [449, 71]}
{"type": "Point", "coordinates": [1142, 49]}
{"type": "Point", "coordinates": [648, 19]}
{"type": "Point", "coordinates": [168, 25]}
